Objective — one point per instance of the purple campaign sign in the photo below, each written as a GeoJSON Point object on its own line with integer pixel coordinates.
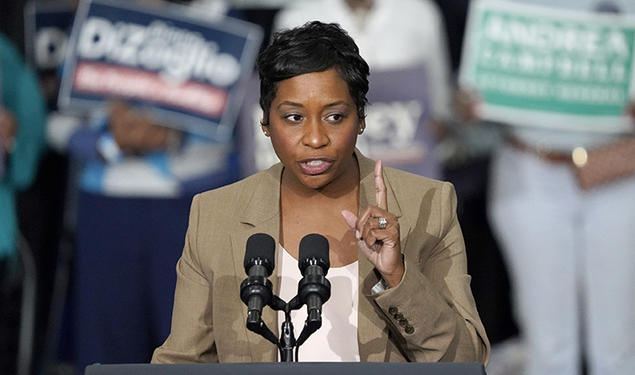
{"type": "Point", "coordinates": [396, 125]}
{"type": "Point", "coordinates": [185, 70]}
{"type": "Point", "coordinates": [397, 121]}
{"type": "Point", "coordinates": [254, 148]}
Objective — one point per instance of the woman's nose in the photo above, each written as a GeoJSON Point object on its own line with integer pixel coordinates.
{"type": "Point", "coordinates": [315, 134]}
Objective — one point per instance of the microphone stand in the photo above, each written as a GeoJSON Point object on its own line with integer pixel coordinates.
{"type": "Point", "coordinates": [287, 341]}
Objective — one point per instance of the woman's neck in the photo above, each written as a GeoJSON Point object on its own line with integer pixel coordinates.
{"type": "Point", "coordinates": [304, 210]}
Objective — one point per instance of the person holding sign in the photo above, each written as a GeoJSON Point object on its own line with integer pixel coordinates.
{"type": "Point", "coordinates": [138, 174]}
{"type": "Point", "coordinates": [21, 136]}
{"type": "Point", "coordinates": [22, 116]}
{"type": "Point", "coordinates": [394, 235]}
{"type": "Point", "coordinates": [563, 194]}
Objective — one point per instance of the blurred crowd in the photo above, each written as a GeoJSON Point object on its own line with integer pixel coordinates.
{"type": "Point", "coordinates": [94, 205]}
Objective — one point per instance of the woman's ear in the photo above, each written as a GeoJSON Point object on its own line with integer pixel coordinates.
{"type": "Point", "coordinates": [265, 129]}
{"type": "Point", "coordinates": [362, 126]}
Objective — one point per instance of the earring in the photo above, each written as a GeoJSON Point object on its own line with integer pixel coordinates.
{"type": "Point", "coordinates": [361, 130]}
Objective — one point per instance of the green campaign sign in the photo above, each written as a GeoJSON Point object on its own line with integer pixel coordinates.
{"type": "Point", "coordinates": [546, 67]}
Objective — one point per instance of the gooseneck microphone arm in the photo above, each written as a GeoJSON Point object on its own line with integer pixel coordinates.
{"type": "Point", "coordinates": [286, 343]}
{"type": "Point", "coordinates": [287, 337]}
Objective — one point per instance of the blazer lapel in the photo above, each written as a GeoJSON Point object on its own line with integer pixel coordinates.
{"type": "Point", "coordinates": [372, 331]}
{"type": "Point", "coordinates": [261, 215]}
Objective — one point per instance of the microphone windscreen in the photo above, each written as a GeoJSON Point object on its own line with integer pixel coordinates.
{"type": "Point", "coordinates": [314, 246]}
{"type": "Point", "coordinates": [263, 246]}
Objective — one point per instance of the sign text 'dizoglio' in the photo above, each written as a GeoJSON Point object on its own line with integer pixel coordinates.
{"type": "Point", "coordinates": [176, 53]}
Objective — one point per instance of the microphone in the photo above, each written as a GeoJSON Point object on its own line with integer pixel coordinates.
{"type": "Point", "coordinates": [314, 289]}
{"type": "Point", "coordinates": [255, 290]}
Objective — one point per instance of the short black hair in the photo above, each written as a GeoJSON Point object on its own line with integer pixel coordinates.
{"type": "Point", "coordinates": [312, 47]}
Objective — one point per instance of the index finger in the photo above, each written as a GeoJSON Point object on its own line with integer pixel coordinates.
{"type": "Point", "coordinates": [380, 187]}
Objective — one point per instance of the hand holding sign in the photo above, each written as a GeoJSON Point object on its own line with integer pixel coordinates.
{"type": "Point", "coordinates": [379, 241]}
{"type": "Point", "coordinates": [135, 132]}
{"type": "Point", "coordinates": [467, 104]}
{"type": "Point", "coordinates": [8, 129]}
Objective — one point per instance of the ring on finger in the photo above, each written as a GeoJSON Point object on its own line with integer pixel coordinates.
{"type": "Point", "coordinates": [383, 223]}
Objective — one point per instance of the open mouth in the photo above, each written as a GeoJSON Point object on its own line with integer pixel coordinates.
{"type": "Point", "coordinates": [315, 166]}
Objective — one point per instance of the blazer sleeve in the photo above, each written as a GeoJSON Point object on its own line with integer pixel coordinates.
{"type": "Point", "coordinates": [191, 337]}
{"type": "Point", "coordinates": [431, 312]}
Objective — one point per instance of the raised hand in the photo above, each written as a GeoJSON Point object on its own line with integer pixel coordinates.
{"type": "Point", "coordinates": [8, 130]}
{"type": "Point", "coordinates": [378, 242]}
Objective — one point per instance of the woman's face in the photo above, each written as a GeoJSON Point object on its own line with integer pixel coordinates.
{"type": "Point", "coordinates": [313, 125]}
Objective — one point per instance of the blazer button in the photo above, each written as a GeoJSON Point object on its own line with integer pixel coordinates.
{"type": "Point", "coordinates": [392, 310]}
{"type": "Point", "coordinates": [409, 329]}
{"type": "Point", "coordinates": [403, 322]}
{"type": "Point", "coordinates": [398, 316]}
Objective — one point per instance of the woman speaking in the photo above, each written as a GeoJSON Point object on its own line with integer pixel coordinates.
{"type": "Point", "coordinates": [400, 290]}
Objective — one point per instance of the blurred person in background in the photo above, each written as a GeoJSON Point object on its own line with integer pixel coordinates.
{"type": "Point", "coordinates": [390, 35]}
{"type": "Point", "coordinates": [464, 153]}
{"type": "Point", "coordinates": [566, 230]}
{"type": "Point", "coordinates": [136, 181]}
{"type": "Point", "coordinates": [22, 118]}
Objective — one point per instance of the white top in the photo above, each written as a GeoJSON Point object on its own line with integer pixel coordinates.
{"type": "Point", "coordinates": [336, 340]}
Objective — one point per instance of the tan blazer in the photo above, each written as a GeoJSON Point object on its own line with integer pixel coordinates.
{"type": "Point", "coordinates": [434, 298]}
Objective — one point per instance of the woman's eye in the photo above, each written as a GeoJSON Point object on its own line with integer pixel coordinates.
{"type": "Point", "coordinates": [335, 117]}
{"type": "Point", "coordinates": [294, 117]}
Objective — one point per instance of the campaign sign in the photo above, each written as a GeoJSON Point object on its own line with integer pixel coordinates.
{"type": "Point", "coordinates": [551, 68]}
{"type": "Point", "coordinates": [186, 71]}
{"type": "Point", "coordinates": [47, 30]}
{"type": "Point", "coordinates": [396, 125]}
